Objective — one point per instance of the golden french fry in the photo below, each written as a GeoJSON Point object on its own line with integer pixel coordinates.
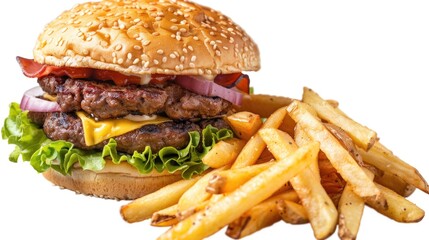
{"type": "Point", "coordinates": [301, 138]}
{"type": "Point", "coordinates": [143, 208]}
{"type": "Point", "coordinates": [259, 216]}
{"type": "Point", "coordinates": [383, 159]}
{"type": "Point", "coordinates": [350, 208]}
{"type": "Point", "coordinates": [292, 212]}
{"type": "Point", "coordinates": [223, 153]}
{"type": "Point", "coordinates": [361, 135]}
{"type": "Point", "coordinates": [165, 217]}
{"type": "Point", "coordinates": [229, 180]}
{"type": "Point", "coordinates": [395, 183]}
{"type": "Point", "coordinates": [320, 208]}
{"type": "Point", "coordinates": [214, 217]}
{"type": "Point", "coordinates": [262, 104]}
{"type": "Point", "coordinates": [399, 208]}
{"type": "Point", "coordinates": [254, 147]}
{"type": "Point", "coordinates": [244, 124]}
{"type": "Point", "coordinates": [337, 155]}
{"type": "Point", "coordinates": [197, 193]}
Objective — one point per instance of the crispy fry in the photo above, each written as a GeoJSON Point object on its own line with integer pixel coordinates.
{"type": "Point", "coordinates": [230, 207]}
{"type": "Point", "coordinates": [338, 156]}
{"type": "Point", "coordinates": [143, 208]}
{"type": "Point", "coordinates": [244, 124]}
{"type": "Point", "coordinates": [223, 153]}
{"type": "Point", "coordinates": [361, 135]}
{"type": "Point", "coordinates": [259, 216]}
{"type": "Point", "coordinates": [395, 183]}
{"type": "Point", "coordinates": [165, 217]}
{"type": "Point", "coordinates": [383, 159]}
{"type": "Point", "coordinates": [301, 138]}
{"type": "Point", "coordinates": [262, 104]}
{"type": "Point", "coordinates": [350, 208]}
{"type": "Point", "coordinates": [197, 193]}
{"type": "Point", "coordinates": [229, 180]}
{"type": "Point", "coordinates": [292, 212]}
{"type": "Point", "coordinates": [399, 208]}
{"type": "Point", "coordinates": [320, 209]}
{"type": "Point", "coordinates": [254, 147]}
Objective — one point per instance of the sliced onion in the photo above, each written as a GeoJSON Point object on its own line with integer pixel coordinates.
{"type": "Point", "coordinates": [31, 103]}
{"type": "Point", "coordinates": [205, 87]}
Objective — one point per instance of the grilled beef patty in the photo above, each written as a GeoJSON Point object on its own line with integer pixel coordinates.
{"type": "Point", "coordinates": [104, 100]}
{"type": "Point", "coordinates": [68, 127]}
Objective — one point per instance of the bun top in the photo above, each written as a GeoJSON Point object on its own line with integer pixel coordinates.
{"type": "Point", "coordinates": [147, 37]}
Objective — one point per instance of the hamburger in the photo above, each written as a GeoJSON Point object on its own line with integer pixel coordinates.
{"type": "Point", "coordinates": [130, 96]}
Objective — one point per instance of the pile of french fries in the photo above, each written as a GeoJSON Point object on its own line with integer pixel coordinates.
{"type": "Point", "coordinates": [308, 162]}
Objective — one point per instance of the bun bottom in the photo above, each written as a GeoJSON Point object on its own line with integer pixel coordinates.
{"type": "Point", "coordinates": [110, 185]}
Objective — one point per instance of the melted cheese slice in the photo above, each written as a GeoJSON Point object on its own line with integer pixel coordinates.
{"type": "Point", "coordinates": [98, 131]}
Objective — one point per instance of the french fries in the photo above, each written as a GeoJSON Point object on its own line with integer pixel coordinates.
{"type": "Point", "coordinates": [320, 208]}
{"type": "Point", "coordinates": [254, 147]}
{"type": "Point", "coordinates": [232, 206]}
{"type": "Point", "coordinates": [165, 217]}
{"type": "Point", "coordinates": [229, 180]}
{"type": "Point", "coordinates": [262, 104]}
{"type": "Point", "coordinates": [361, 135]}
{"type": "Point", "coordinates": [383, 159]}
{"type": "Point", "coordinates": [324, 175]}
{"type": "Point", "coordinates": [292, 212]}
{"type": "Point", "coordinates": [399, 208]}
{"type": "Point", "coordinates": [339, 157]}
{"type": "Point", "coordinates": [244, 124]}
{"type": "Point", "coordinates": [223, 153]}
{"type": "Point", "coordinates": [143, 208]}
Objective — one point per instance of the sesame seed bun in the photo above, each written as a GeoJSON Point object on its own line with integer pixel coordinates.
{"type": "Point", "coordinates": [147, 37]}
{"type": "Point", "coordinates": [120, 182]}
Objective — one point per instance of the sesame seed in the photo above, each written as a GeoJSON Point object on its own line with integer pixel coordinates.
{"type": "Point", "coordinates": [178, 37]}
{"type": "Point", "coordinates": [137, 20]}
{"type": "Point", "coordinates": [89, 38]}
{"type": "Point", "coordinates": [113, 54]}
{"type": "Point", "coordinates": [195, 38]}
{"type": "Point", "coordinates": [164, 59]}
{"type": "Point", "coordinates": [85, 52]}
{"type": "Point", "coordinates": [158, 18]}
{"type": "Point", "coordinates": [183, 22]}
{"type": "Point", "coordinates": [182, 58]}
{"type": "Point", "coordinates": [193, 58]}
{"type": "Point", "coordinates": [230, 29]}
{"type": "Point", "coordinates": [190, 48]}
{"type": "Point", "coordinates": [64, 29]}
{"type": "Point", "coordinates": [225, 47]}
{"type": "Point", "coordinates": [218, 53]}
{"type": "Point", "coordinates": [223, 35]}
{"type": "Point", "coordinates": [156, 62]}
{"type": "Point", "coordinates": [172, 56]}
{"type": "Point", "coordinates": [146, 42]}
{"type": "Point", "coordinates": [174, 28]}
{"type": "Point", "coordinates": [118, 47]}
{"type": "Point", "coordinates": [80, 34]}
{"type": "Point", "coordinates": [173, 36]}
{"type": "Point", "coordinates": [160, 51]}
{"type": "Point", "coordinates": [137, 47]}
{"type": "Point", "coordinates": [129, 56]}
{"type": "Point", "coordinates": [156, 33]}
{"type": "Point", "coordinates": [212, 43]}
{"type": "Point", "coordinates": [200, 71]}
{"type": "Point", "coordinates": [185, 50]}
{"type": "Point", "coordinates": [186, 15]}
{"type": "Point", "coordinates": [192, 65]}
{"type": "Point", "coordinates": [183, 30]}
{"type": "Point", "coordinates": [137, 60]}
{"type": "Point", "coordinates": [146, 64]}
{"type": "Point", "coordinates": [177, 68]}
{"type": "Point", "coordinates": [212, 33]}
{"type": "Point", "coordinates": [120, 61]}
{"type": "Point", "coordinates": [173, 20]}
{"type": "Point", "coordinates": [145, 57]}
{"type": "Point", "coordinates": [160, 71]}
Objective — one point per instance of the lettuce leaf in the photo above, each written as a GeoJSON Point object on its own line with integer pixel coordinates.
{"type": "Point", "coordinates": [34, 146]}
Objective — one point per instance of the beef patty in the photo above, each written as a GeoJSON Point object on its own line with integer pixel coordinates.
{"type": "Point", "coordinates": [68, 127]}
{"type": "Point", "coordinates": [104, 100]}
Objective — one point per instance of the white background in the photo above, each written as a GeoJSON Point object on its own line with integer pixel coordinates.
{"type": "Point", "coordinates": [371, 56]}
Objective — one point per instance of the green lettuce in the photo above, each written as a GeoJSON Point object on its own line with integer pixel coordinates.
{"type": "Point", "coordinates": [34, 146]}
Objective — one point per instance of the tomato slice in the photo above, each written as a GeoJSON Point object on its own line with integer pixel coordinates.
{"type": "Point", "coordinates": [234, 80]}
